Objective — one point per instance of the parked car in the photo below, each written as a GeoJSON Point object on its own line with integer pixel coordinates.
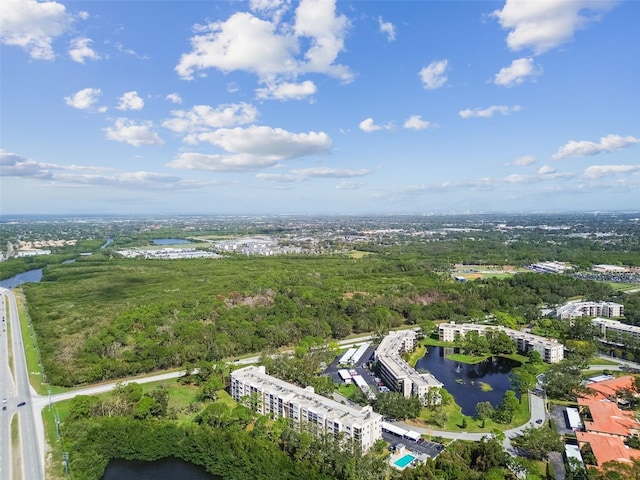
{"type": "Point", "coordinates": [22, 404]}
{"type": "Point", "coordinates": [539, 421]}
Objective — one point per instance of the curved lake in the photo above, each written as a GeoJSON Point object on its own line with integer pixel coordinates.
{"type": "Point", "coordinates": [464, 381]}
{"type": "Point", "coordinates": [165, 469]}
{"type": "Point", "coordinates": [24, 277]}
{"type": "Point", "coordinates": [169, 241]}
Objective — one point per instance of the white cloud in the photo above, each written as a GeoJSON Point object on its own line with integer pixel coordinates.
{"type": "Point", "coordinates": [252, 147]}
{"type": "Point", "coordinates": [287, 91]}
{"type": "Point", "coordinates": [488, 112]}
{"type": "Point", "coordinates": [543, 25]}
{"type": "Point", "coordinates": [204, 117]}
{"type": "Point", "coordinates": [131, 101]}
{"type": "Point", "coordinates": [434, 75]}
{"type": "Point", "coordinates": [14, 165]}
{"type": "Point", "coordinates": [522, 161]}
{"type": "Point", "coordinates": [33, 26]}
{"type": "Point", "coordinates": [388, 29]}
{"type": "Point", "coordinates": [348, 185]}
{"type": "Point", "coordinates": [275, 143]}
{"type": "Point", "coordinates": [546, 170]}
{"type": "Point", "coordinates": [136, 134]}
{"type": "Point", "coordinates": [584, 148]}
{"type": "Point", "coordinates": [325, 172]}
{"type": "Point", "coordinates": [317, 20]}
{"type": "Point", "coordinates": [268, 48]}
{"type": "Point", "coordinates": [517, 72]}
{"type": "Point", "coordinates": [274, 9]}
{"type": "Point", "coordinates": [415, 122]}
{"type": "Point", "coordinates": [597, 171]}
{"type": "Point", "coordinates": [174, 98]}
{"type": "Point", "coordinates": [80, 50]}
{"type": "Point", "coordinates": [83, 99]}
{"type": "Point", "coordinates": [368, 125]}
{"type": "Point", "coordinates": [221, 163]}
{"type": "Point", "coordinates": [303, 174]}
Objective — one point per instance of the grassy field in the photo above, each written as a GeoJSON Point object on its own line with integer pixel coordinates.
{"type": "Point", "coordinates": [416, 355]}
{"type": "Point", "coordinates": [358, 254]}
{"type": "Point", "coordinates": [16, 457]}
{"type": "Point", "coordinates": [469, 359]}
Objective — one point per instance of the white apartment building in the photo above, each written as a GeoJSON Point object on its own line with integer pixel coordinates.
{"type": "Point", "coordinates": [396, 373]}
{"type": "Point", "coordinates": [572, 310]}
{"type": "Point", "coordinates": [549, 349]}
{"type": "Point", "coordinates": [615, 330]}
{"type": "Point", "coordinates": [278, 398]}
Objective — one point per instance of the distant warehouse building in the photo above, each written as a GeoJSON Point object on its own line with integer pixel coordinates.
{"type": "Point", "coordinates": [397, 374]}
{"type": "Point", "coordinates": [549, 349]}
{"type": "Point", "coordinates": [278, 398]}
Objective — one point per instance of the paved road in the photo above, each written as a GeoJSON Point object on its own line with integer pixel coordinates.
{"type": "Point", "coordinates": [7, 396]}
{"type": "Point", "coordinates": [32, 451]}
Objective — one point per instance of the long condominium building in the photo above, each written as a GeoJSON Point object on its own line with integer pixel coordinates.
{"type": "Point", "coordinates": [302, 406]}
{"type": "Point", "coordinates": [396, 373]}
{"type": "Point", "coordinates": [615, 330]}
{"type": "Point", "coordinates": [549, 349]}
{"type": "Point", "coordinates": [573, 310]}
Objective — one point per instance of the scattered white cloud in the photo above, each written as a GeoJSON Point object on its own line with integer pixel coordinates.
{"type": "Point", "coordinates": [517, 72]}
{"type": "Point", "coordinates": [546, 170]}
{"type": "Point", "coordinates": [84, 99]}
{"type": "Point", "coordinates": [174, 98]}
{"type": "Point", "coordinates": [488, 112]}
{"type": "Point", "coordinates": [204, 117]}
{"type": "Point", "coordinates": [268, 48]}
{"type": "Point", "coordinates": [415, 122]}
{"type": "Point", "coordinates": [252, 148]}
{"type": "Point", "coordinates": [598, 171]}
{"type": "Point", "coordinates": [80, 50]}
{"type": "Point", "coordinates": [273, 9]}
{"type": "Point", "coordinates": [434, 75]}
{"type": "Point", "coordinates": [522, 161]}
{"type": "Point", "coordinates": [303, 174]}
{"type": "Point", "coordinates": [131, 101]}
{"type": "Point", "coordinates": [584, 148]}
{"type": "Point", "coordinates": [544, 25]}
{"type": "Point", "coordinates": [33, 26]}
{"type": "Point", "coordinates": [347, 185]}
{"type": "Point", "coordinates": [275, 143]}
{"type": "Point", "coordinates": [15, 165]}
{"type": "Point", "coordinates": [287, 91]}
{"type": "Point", "coordinates": [325, 172]}
{"type": "Point", "coordinates": [388, 29]}
{"type": "Point", "coordinates": [136, 134]}
{"type": "Point", "coordinates": [368, 125]}
{"type": "Point", "coordinates": [83, 15]}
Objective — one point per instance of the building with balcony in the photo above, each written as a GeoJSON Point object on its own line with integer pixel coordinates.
{"type": "Point", "coordinates": [271, 396]}
{"type": "Point", "coordinates": [573, 310]}
{"type": "Point", "coordinates": [549, 349]}
{"type": "Point", "coordinates": [397, 374]}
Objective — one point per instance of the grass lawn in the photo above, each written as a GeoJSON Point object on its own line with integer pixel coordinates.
{"type": "Point", "coordinates": [416, 355]}
{"type": "Point", "coordinates": [358, 254]}
{"type": "Point", "coordinates": [455, 418]}
{"type": "Point", "coordinates": [469, 359]}
{"type": "Point", "coordinates": [601, 361]}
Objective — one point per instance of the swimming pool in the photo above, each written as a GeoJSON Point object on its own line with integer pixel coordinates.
{"type": "Point", "coordinates": [404, 461]}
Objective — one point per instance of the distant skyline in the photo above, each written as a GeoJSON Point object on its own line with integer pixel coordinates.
{"type": "Point", "coordinates": [319, 107]}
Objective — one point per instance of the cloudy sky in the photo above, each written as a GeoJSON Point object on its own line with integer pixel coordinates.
{"type": "Point", "coordinates": [319, 106]}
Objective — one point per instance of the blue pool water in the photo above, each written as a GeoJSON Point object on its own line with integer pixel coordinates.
{"type": "Point", "coordinates": [404, 461]}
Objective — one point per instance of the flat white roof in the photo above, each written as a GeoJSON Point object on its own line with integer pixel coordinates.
{"type": "Point", "coordinates": [390, 427]}
{"type": "Point", "coordinates": [574, 418]}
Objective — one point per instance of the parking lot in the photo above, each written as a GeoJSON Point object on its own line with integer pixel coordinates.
{"type": "Point", "coordinates": [425, 447]}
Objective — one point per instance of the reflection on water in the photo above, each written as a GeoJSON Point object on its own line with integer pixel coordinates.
{"type": "Point", "coordinates": [24, 277]}
{"type": "Point", "coordinates": [164, 469]}
{"type": "Point", "coordinates": [465, 382]}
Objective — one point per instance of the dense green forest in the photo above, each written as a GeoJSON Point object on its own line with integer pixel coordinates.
{"type": "Point", "coordinates": [106, 317]}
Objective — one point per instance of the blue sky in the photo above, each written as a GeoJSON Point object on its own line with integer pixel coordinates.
{"type": "Point", "coordinates": [318, 106]}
